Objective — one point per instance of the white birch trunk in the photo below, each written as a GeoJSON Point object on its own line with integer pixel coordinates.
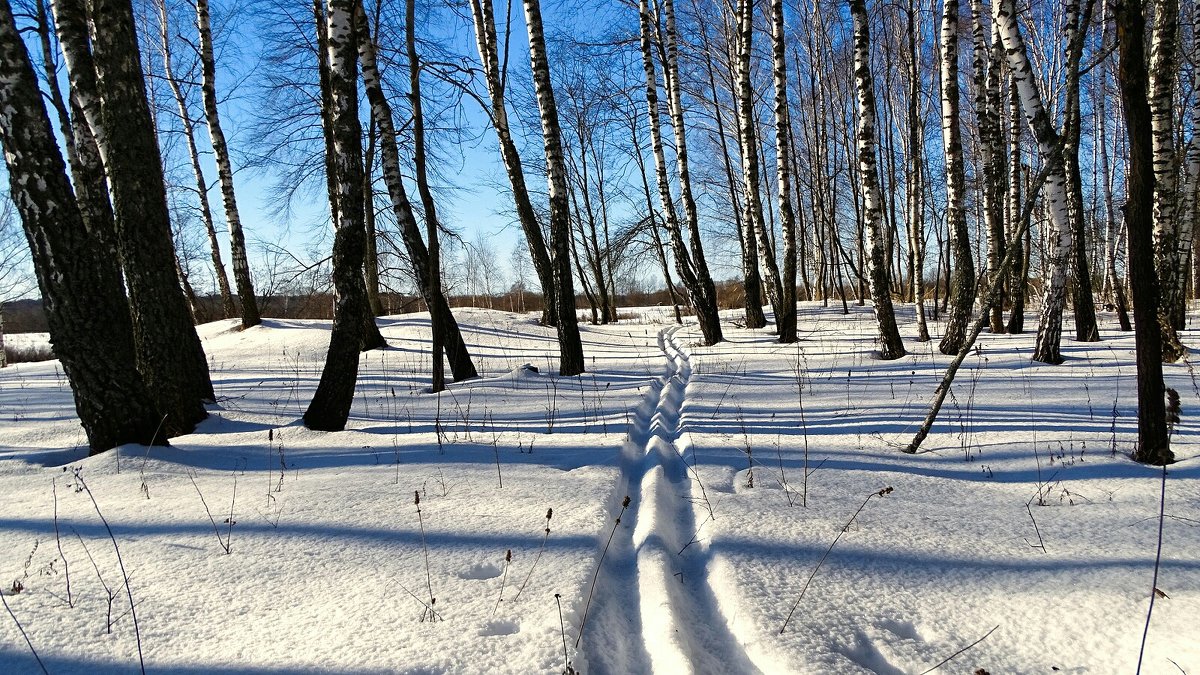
{"type": "Point", "coordinates": [237, 238]}
{"type": "Point", "coordinates": [890, 344]}
{"type": "Point", "coordinates": [1048, 346]}
{"type": "Point", "coordinates": [1164, 66]}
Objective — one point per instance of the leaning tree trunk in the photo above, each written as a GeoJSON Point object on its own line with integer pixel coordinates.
{"type": "Point", "coordinates": [83, 156]}
{"type": "Point", "coordinates": [496, 75]}
{"type": "Point", "coordinates": [237, 239]}
{"type": "Point", "coordinates": [1047, 348]}
{"type": "Point", "coordinates": [1154, 445]}
{"type": "Point", "coordinates": [461, 365]}
{"type": "Point", "coordinates": [706, 304]}
{"type": "Point", "coordinates": [1172, 277]}
{"type": "Point", "coordinates": [330, 406]}
{"type": "Point", "coordinates": [962, 282]}
{"type": "Point", "coordinates": [703, 304]}
{"type": "Point", "coordinates": [652, 219]}
{"type": "Point", "coordinates": [170, 356]}
{"type": "Point", "coordinates": [569, 344]}
{"type": "Point", "coordinates": [890, 344]}
{"type": "Point", "coordinates": [228, 309]}
{"type": "Point", "coordinates": [785, 311]}
{"type": "Point", "coordinates": [80, 282]}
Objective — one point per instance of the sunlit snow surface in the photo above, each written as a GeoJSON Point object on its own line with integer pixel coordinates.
{"type": "Point", "coordinates": [328, 565]}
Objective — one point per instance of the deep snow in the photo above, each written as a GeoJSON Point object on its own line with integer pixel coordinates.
{"type": "Point", "coordinates": [743, 462]}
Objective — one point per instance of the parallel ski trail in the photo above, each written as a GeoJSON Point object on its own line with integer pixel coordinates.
{"type": "Point", "coordinates": [660, 576]}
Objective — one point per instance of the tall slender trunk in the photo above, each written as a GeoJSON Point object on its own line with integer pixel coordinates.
{"type": "Point", "coordinates": [652, 218]}
{"type": "Point", "coordinates": [689, 264]}
{"type": "Point", "coordinates": [1084, 302]}
{"type": "Point", "coordinates": [371, 259]}
{"type": "Point", "coordinates": [461, 365]}
{"type": "Point", "coordinates": [785, 311]}
{"type": "Point", "coordinates": [228, 309]}
{"type": "Point", "coordinates": [1114, 284]}
{"type": "Point", "coordinates": [962, 283]}
{"type": "Point", "coordinates": [433, 277]}
{"type": "Point", "coordinates": [1020, 274]}
{"type": "Point", "coordinates": [80, 282]}
{"type": "Point", "coordinates": [988, 55]}
{"type": "Point", "coordinates": [759, 254]}
{"type": "Point", "coordinates": [330, 407]}
{"type": "Point", "coordinates": [1047, 349]}
{"type": "Point", "coordinates": [495, 75]}
{"type": "Point", "coordinates": [237, 238]}
{"type": "Point", "coordinates": [890, 344]}
{"type": "Point", "coordinates": [569, 344]}
{"type": "Point", "coordinates": [1154, 445]}
{"type": "Point", "coordinates": [1172, 278]}
{"type": "Point", "coordinates": [706, 305]}
{"type": "Point", "coordinates": [913, 195]}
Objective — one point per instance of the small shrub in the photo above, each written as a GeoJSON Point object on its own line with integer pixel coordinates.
{"type": "Point", "coordinates": [27, 353]}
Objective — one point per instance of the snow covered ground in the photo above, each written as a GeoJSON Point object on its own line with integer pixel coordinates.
{"type": "Point", "coordinates": [1022, 520]}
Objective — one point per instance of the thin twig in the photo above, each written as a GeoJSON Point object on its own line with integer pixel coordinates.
{"type": "Point", "coordinates": [58, 542]}
{"type": "Point", "coordinates": [583, 622]}
{"type": "Point", "coordinates": [549, 515]}
{"type": "Point", "coordinates": [563, 630]}
{"type": "Point", "coordinates": [948, 658]}
{"type": "Point", "coordinates": [24, 634]}
{"type": "Point", "coordinates": [137, 634]}
{"type": "Point", "coordinates": [879, 493]}
{"type": "Point", "coordinates": [216, 530]}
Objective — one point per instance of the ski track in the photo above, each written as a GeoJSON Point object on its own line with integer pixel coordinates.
{"type": "Point", "coordinates": [659, 560]}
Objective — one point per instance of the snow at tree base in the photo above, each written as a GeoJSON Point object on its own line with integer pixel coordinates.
{"type": "Point", "coordinates": [1022, 532]}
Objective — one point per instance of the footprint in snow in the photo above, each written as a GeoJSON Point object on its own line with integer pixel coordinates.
{"type": "Point", "coordinates": [480, 571]}
{"type": "Point", "coordinates": [901, 629]}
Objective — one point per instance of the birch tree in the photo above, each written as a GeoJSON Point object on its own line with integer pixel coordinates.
{"type": "Point", "coordinates": [369, 335]}
{"type": "Point", "coordinates": [1048, 346]}
{"type": "Point", "coordinates": [1114, 285]}
{"type": "Point", "coordinates": [80, 283]}
{"type": "Point", "coordinates": [495, 74]}
{"type": "Point", "coordinates": [423, 264]}
{"type": "Point", "coordinates": [170, 357]}
{"type": "Point", "coordinates": [216, 135]}
{"type": "Point", "coordinates": [569, 344]}
{"type": "Point", "coordinates": [785, 310]}
{"type": "Point", "coordinates": [913, 184]}
{"type": "Point", "coordinates": [1172, 272]}
{"type": "Point", "coordinates": [690, 262]}
{"type": "Point", "coordinates": [189, 136]}
{"type": "Point", "coordinates": [758, 249]}
{"type": "Point", "coordinates": [330, 406]}
{"type": "Point", "coordinates": [962, 283]}
{"type": "Point", "coordinates": [1084, 304]}
{"type": "Point", "coordinates": [890, 344]}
